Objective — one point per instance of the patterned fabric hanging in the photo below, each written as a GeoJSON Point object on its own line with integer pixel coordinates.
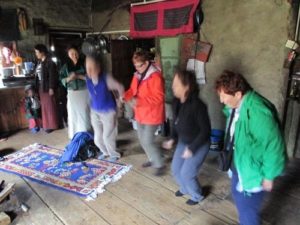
{"type": "Point", "coordinates": [167, 18]}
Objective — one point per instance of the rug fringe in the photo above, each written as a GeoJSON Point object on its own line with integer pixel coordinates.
{"type": "Point", "coordinates": [106, 180]}
{"type": "Point", "coordinates": [121, 173]}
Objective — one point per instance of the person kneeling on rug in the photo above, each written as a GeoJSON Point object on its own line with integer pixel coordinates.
{"type": "Point", "coordinates": [103, 107]}
{"type": "Point", "coordinates": [33, 109]}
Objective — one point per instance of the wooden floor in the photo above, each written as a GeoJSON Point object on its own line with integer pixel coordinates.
{"type": "Point", "coordinates": [141, 198]}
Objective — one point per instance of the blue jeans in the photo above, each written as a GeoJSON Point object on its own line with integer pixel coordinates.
{"type": "Point", "coordinates": [185, 171]}
{"type": "Point", "coordinates": [248, 204]}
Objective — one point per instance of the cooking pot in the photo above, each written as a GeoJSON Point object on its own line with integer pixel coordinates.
{"type": "Point", "coordinates": [7, 72]}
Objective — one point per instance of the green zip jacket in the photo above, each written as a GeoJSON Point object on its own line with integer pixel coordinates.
{"type": "Point", "coordinates": [259, 147]}
{"type": "Point", "coordinates": [65, 72]}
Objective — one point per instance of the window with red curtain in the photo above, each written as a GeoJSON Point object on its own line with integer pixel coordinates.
{"type": "Point", "coordinates": [167, 18]}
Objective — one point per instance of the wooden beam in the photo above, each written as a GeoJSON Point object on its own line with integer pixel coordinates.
{"type": "Point", "coordinates": [6, 191]}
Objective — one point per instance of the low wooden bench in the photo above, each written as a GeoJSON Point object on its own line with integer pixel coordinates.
{"type": "Point", "coordinates": [6, 191]}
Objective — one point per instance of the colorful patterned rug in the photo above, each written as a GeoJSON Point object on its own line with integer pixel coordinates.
{"type": "Point", "coordinates": [41, 163]}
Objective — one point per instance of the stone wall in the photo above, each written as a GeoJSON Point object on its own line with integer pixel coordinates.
{"type": "Point", "coordinates": [67, 14]}
{"type": "Point", "coordinates": [247, 36]}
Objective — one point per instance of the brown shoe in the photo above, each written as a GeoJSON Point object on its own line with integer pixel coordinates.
{"type": "Point", "coordinates": [146, 164]}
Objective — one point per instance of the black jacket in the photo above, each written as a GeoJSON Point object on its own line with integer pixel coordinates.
{"type": "Point", "coordinates": [49, 75]}
{"type": "Point", "coordinates": [191, 123]}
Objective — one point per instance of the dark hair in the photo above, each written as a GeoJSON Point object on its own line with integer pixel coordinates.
{"type": "Point", "coordinates": [72, 47]}
{"type": "Point", "coordinates": [41, 48]}
{"type": "Point", "coordinates": [188, 78]}
{"type": "Point", "coordinates": [7, 45]}
{"type": "Point", "coordinates": [142, 56]}
{"type": "Point", "coordinates": [231, 82]}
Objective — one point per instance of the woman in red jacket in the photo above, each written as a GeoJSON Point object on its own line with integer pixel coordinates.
{"type": "Point", "coordinates": [146, 95]}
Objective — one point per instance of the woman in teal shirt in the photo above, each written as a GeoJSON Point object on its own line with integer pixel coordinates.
{"type": "Point", "coordinates": [72, 76]}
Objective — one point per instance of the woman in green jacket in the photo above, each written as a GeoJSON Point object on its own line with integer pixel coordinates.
{"type": "Point", "coordinates": [257, 142]}
{"type": "Point", "coordinates": [72, 76]}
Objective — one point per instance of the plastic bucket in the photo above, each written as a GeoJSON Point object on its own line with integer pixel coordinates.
{"type": "Point", "coordinates": [216, 139]}
{"type": "Point", "coordinates": [28, 66]}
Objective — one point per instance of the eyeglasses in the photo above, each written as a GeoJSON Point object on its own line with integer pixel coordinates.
{"type": "Point", "coordinates": [138, 66]}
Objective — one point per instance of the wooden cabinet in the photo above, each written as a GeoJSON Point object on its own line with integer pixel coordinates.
{"type": "Point", "coordinates": [12, 112]}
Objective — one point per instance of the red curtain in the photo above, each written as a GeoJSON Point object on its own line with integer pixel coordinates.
{"type": "Point", "coordinates": [167, 18]}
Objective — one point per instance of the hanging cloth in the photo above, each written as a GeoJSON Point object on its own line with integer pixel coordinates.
{"type": "Point", "coordinates": [167, 18]}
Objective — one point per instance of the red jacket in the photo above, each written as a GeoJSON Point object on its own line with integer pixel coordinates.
{"type": "Point", "coordinates": [150, 97]}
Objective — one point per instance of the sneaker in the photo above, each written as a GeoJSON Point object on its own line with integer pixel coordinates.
{"type": "Point", "coordinates": [33, 130]}
{"type": "Point", "coordinates": [113, 159]}
{"type": "Point", "coordinates": [102, 156]}
{"type": "Point", "coordinates": [179, 194]}
{"type": "Point", "coordinates": [146, 164]}
{"type": "Point", "coordinates": [191, 202]}
{"type": "Point", "coordinates": [160, 171]}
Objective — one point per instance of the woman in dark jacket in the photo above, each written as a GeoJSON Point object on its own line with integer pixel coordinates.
{"type": "Point", "coordinates": [191, 128]}
{"type": "Point", "coordinates": [48, 80]}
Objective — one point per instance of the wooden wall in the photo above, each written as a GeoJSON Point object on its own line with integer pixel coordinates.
{"type": "Point", "coordinates": [12, 112]}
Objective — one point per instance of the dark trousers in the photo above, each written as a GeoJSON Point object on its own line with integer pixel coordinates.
{"type": "Point", "coordinates": [185, 171]}
{"type": "Point", "coordinates": [248, 204]}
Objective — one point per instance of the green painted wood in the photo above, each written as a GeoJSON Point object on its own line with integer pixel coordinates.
{"type": "Point", "coordinates": [170, 58]}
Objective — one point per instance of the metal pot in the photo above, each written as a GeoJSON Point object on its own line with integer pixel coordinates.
{"type": "Point", "coordinates": [7, 72]}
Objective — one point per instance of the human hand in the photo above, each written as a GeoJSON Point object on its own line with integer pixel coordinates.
{"type": "Point", "coordinates": [51, 92]}
{"type": "Point", "coordinates": [72, 76]}
{"type": "Point", "coordinates": [187, 153]}
{"type": "Point", "coordinates": [168, 144]}
{"type": "Point", "coordinates": [122, 100]}
{"type": "Point", "coordinates": [267, 185]}
{"type": "Point", "coordinates": [80, 76]}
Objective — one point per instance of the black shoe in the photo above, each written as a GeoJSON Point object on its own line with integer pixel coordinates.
{"type": "Point", "coordinates": [160, 171]}
{"type": "Point", "coordinates": [191, 202]}
{"type": "Point", "coordinates": [146, 164]}
{"type": "Point", "coordinates": [178, 194]}
{"type": "Point", "coordinates": [205, 191]}
{"type": "Point", "coordinates": [48, 131]}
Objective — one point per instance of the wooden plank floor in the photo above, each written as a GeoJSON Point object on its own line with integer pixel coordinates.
{"type": "Point", "coordinates": [139, 197]}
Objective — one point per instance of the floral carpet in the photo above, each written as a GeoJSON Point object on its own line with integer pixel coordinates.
{"type": "Point", "coordinates": [41, 163]}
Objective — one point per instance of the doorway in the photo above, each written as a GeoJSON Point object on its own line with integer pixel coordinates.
{"type": "Point", "coordinates": [121, 55]}
{"type": "Point", "coordinates": [59, 41]}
